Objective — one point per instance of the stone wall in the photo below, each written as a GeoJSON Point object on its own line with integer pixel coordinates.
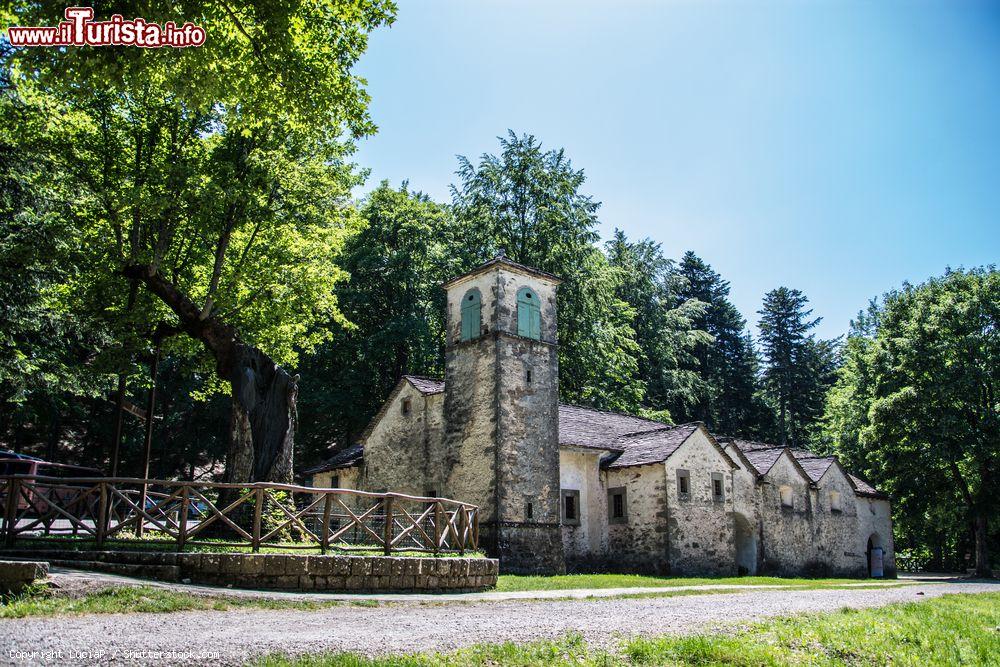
{"type": "Point", "coordinates": [700, 531]}
{"type": "Point", "coordinates": [787, 533]}
{"type": "Point", "coordinates": [294, 571]}
{"type": "Point", "coordinates": [402, 451]}
{"type": "Point", "coordinates": [640, 543]}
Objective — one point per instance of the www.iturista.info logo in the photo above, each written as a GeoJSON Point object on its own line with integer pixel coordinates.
{"type": "Point", "coordinates": [79, 29]}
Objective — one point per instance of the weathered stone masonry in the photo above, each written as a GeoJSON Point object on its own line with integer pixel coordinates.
{"type": "Point", "coordinates": [562, 486]}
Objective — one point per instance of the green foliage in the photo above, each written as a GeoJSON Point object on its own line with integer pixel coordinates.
{"type": "Point", "coordinates": [916, 407]}
{"type": "Point", "coordinates": [404, 251]}
{"type": "Point", "coordinates": [222, 168]}
{"type": "Point", "coordinates": [726, 395]}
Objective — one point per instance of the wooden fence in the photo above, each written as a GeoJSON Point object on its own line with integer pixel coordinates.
{"type": "Point", "coordinates": [109, 511]}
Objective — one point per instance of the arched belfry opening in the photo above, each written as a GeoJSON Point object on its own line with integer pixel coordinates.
{"type": "Point", "coordinates": [472, 315]}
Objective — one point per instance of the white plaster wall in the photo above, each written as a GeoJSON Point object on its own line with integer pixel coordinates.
{"type": "Point", "coordinates": [580, 470]}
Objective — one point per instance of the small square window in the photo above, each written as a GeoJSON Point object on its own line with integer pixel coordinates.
{"type": "Point", "coordinates": [683, 484]}
{"type": "Point", "coordinates": [406, 406]}
{"type": "Point", "coordinates": [617, 506]}
{"type": "Point", "coordinates": [529, 511]}
{"type": "Point", "coordinates": [718, 487]}
{"type": "Point", "coordinates": [335, 482]}
{"type": "Point", "coordinates": [785, 492]}
{"type": "Point", "coordinates": [527, 376]}
{"type": "Point", "coordinates": [571, 507]}
{"type": "Point", "coordinates": [431, 493]}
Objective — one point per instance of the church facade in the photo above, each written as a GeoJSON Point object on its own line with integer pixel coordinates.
{"type": "Point", "coordinates": [563, 487]}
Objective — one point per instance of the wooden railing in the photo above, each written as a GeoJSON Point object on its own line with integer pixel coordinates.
{"type": "Point", "coordinates": [109, 511]}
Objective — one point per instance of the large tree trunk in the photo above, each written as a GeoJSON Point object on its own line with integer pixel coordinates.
{"type": "Point", "coordinates": [264, 395]}
{"type": "Point", "coordinates": [263, 419]}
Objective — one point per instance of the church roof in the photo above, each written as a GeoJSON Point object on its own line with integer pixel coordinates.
{"type": "Point", "coordinates": [425, 385]}
{"type": "Point", "coordinates": [652, 446]}
{"type": "Point", "coordinates": [597, 429]}
{"type": "Point", "coordinates": [345, 458]}
{"type": "Point", "coordinates": [815, 466]}
{"type": "Point", "coordinates": [763, 456]}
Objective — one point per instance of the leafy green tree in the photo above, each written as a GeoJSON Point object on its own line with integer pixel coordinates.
{"type": "Point", "coordinates": [665, 324]}
{"type": "Point", "coordinates": [394, 301]}
{"type": "Point", "coordinates": [216, 179]}
{"type": "Point", "coordinates": [916, 404]}
{"type": "Point", "coordinates": [798, 369]}
{"type": "Point", "coordinates": [528, 202]}
{"type": "Point", "coordinates": [726, 365]}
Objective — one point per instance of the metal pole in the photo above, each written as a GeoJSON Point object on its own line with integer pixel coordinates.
{"type": "Point", "coordinates": [148, 447]}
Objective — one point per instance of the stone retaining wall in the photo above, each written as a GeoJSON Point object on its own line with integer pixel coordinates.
{"type": "Point", "coordinates": [289, 571]}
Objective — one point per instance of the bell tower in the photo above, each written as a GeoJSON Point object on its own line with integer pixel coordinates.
{"type": "Point", "coordinates": [501, 442]}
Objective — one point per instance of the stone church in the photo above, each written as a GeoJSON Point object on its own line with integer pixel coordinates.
{"type": "Point", "coordinates": [563, 487]}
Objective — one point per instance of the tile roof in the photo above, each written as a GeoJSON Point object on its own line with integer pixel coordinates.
{"type": "Point", "coordinates": [763, 456]}
{"type": "Point", "coordinates": [503, 259]}
{"type": "Point", "coordinates": [863, 488]}
{"type": "Point", "coordinates": [652, 446]}
{"type": "Point", "coordinates": [596, 429]}
{"type": "Point", "coordinates": [426, 385]}
{"type": "Point", "coordinates": [345, 458]}
{"type": "Point", "coordinates": [815, 466]}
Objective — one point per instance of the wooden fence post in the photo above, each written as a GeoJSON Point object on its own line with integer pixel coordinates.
{"type": "Point", "coordinates": [258, 507]}
{"type": "Point", "coordinates": [475, 529]}
{"type": "Point", "coordinates": [10, 511]}
{"type": "Point", "coordinates": [463, 524]}
{"type": "Point", "coordinates": [327, 507]}
{"type": "Point", "coordinates": [437, 526]}
{"type": "Point", "coordinates": [102, 514]}
{"type": "Point", "coordinates": [387, 533]}
{"type": "Point", "coordinates": [182, 520]}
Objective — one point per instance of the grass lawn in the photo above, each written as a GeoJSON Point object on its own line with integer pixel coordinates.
{"type": "Point", "coordinates": [36, 601]}
{"type": "Point", "coordinates": [509, 582]}
{"type": "Point", "coordinates": [951, 630]}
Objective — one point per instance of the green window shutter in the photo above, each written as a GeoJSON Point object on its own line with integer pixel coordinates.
{"type": "Point", "coordinates": [523, 318]}
{"type": "Point", "coordinates": [471, 315]}
{"type": "Point", "coordinates": [529, 316]}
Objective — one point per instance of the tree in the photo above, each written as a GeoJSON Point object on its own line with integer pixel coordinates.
{"type": "Point", "coordinates": [726, 365]}
{"type": "Point", "coordinates": [527, 202]}
{"type": "Point", "coordinates": [394, 301]}
{"type": "Point", "coordinates": [214, 178]}
{"type": "Point", "coordinates": [665, 324]}
{"type": "Point", "coordinates": [798, 368]}
{"type": "Point", "coordinates": [916, 403]}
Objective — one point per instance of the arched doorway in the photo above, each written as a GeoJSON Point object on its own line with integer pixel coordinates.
{"type": "Point", "coordinates": [874, 554]}
{"type": "Point", "coordinates": [746, 545]}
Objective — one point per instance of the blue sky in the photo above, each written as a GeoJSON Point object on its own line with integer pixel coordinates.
{"type": "Point", "coordinates": [836, 147]}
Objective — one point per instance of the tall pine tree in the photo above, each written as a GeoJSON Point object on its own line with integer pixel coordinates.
{"type": "Point", "coordinates": [799, 369]}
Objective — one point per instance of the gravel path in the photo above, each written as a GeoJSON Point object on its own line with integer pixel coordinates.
{"type": "Point", "coordinates": [233, 637]}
